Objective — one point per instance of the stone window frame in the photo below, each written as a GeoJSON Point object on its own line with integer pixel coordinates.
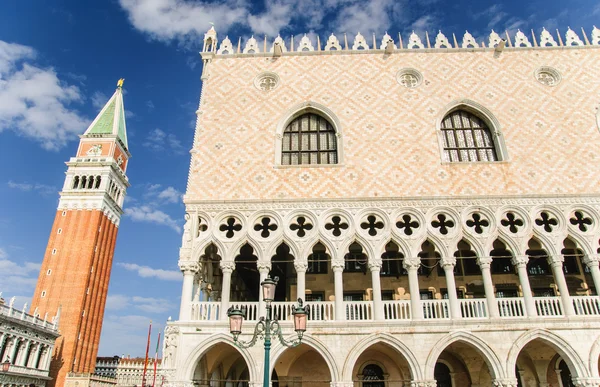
{"type": "Point", "coordinates": [485, 115]}
{"type": "Point", "coordinates": [297, 111]}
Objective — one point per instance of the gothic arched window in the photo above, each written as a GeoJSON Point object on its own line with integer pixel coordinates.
{"type": "Point", "coordinates": [467, 138]}
{"type": "Point", "coordinates": [372, 376]}
{"type": "Point", "coordinates": [309, 139]}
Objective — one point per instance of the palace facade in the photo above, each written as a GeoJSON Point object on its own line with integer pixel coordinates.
{"type": "Point", "coordinates": [435, 202]}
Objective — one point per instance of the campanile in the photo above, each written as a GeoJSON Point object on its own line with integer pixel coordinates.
{"type": "Point", "coordinates": [77, 263]}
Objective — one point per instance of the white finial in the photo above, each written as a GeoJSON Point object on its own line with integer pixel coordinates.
{"type": "Point", "coordinates": [546, 39]}
{"type": "Point", "coordinates": [226, 47]}
{"type": "Point", "coordinates": [305, 44]}
{"type": "Point", "coordinates": [251, 46]}
{"type": "Point", "coordinates": [494, 39]}
{"type": "Point", "coordinates": [596, 36]}
{"type": "Point", "coordinates": [469, 41]}
{"type": "Point", "coordinates": [360, 43]}
{"type": "Point", "coordinates": [384, 42]}
{"type": "Point", "coordinates": [333, 44]}
{"type": "Point", "coordinates": [572, 39]}
{"type": "Point", "coordinates": [441, 41]}
{"type": "Point", "coordinates": [414, 41]}
{"type": "Point", "coordinates": [521, 40]}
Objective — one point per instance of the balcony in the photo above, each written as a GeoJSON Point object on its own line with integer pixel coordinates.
{"type": "Point", "coordinates": [400, 310]}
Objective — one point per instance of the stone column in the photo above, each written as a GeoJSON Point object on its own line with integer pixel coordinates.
{"type": "Point", "coordinates": [448, 266]}
{"type": "Point", "coordinates": [263, 268]}
{"type": "Point", "coordinates": [226, 268]}
{"type": "Point", "coordinates": [521, 263]}
{"type": "Point", "coordinates": [375, 268]}
{"type": "Point", "coordinates": [559, 277]}
{"type": "Point", "coordinates": [592, 264]}
{"type": "Point", "coordinates": [488, 285]}
{"type": "Point", "coordinates": [338, 281]}
{"type": "Point", "coordinates": [301, 267]}
{"type": "Point", "coordinates": [13, 354]}
{"type": "Point", "coordinates": [189, 270]}
{"type": "Point", "coordinates": [34, 358]}
{"type": "Point", "coordinates": [416, 309]}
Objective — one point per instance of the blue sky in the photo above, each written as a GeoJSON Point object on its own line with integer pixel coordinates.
{"type": "Point", "coordinates": [59, 63]}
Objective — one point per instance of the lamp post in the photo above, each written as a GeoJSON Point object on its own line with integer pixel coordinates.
{"type": "Point", "coordinates": [6, 365]}
{"type": "Point", "coordinates": [265, 327]}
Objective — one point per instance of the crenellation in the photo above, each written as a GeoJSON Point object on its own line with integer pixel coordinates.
{"type": "Point", "coordinates": [415, 42]}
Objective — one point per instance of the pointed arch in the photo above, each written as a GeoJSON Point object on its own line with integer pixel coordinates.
{"type": "Point", "coordinates": [356, 238]}
{"type": "Point", "coordinates": [199, 248]}
{"type": "Point", "coordinates": [235, 249]}
{"type": "Point", "coordinates": [304, 108]}
{"type": "Point", "coordinates": [474, 244]}
{"type": "Point", "coordinates": [329, 247]}
{"type": "Point", "coordinates": [489, 355]}
{"type": "Point", "coordinates": [315, 344]}
{"type": "Point", "coordinates": [479, 111]}
{"type": "Point", "coordinates": [593, 360]}
{"type": "Point", "coordinates": [189, 364]}
{"type": "Point", "coordinates": [385, 338]}
{"type": "Point", "coordinates": [581, 243]}
{"type": "Point", "coordinates": [560, 345]}
{"type": "Point", "coordinates": [272, 249]}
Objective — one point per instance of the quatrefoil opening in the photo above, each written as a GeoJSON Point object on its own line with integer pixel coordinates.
{"type": "Point", "coordinates": [301, 226]}
{"type": "Point", "coordinates": [581, 221]}
{"type": "Point", "coordinates": [408, 224]}
{"type": "Point", "coordinates": [443, 224]}
{"type": "Point", "coordinates": [230, 227]}
{"type": "Point", "coordinates": [478, 223]}
{"type": "Point", "coordinates": [372, 225]}
{"type": "Point", "coordinates": [546, 221]}
{"type": "Point", "coordinates": [265, 227]}
{"type": "Point", "coordinates": [336, 225]}
{"type": "Point", "coordinates": [512, 222]}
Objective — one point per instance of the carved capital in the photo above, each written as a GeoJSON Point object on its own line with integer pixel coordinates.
{"type": "Point", "coordinates": [411, 263]}
{"type": "Point", "coordinates": [423, 383]}
{"type": "Point", "coordinates": [227, 266]}
{"type": "Point", "coordinates": [337, 264]}
{"type": "Point", "coordinates": [484, 262]}
{"type": "Point", "coordinates": [448, 263]}
{"type": "Point", "coordinates": [505, 383]}
{"type": "Point", "coordinates": [189, 267]}
{"type": "Point", "coordinates": [263, 266]}
{"type": "Point", "coordinates": [520, 261]}
{"type": "Point", "coordinates": [301, 266]}
{"type": "Point", "coordinates": [591, 260]}
{"type": "Point", "coordinates": [586, 382]}
{"type": "Point", "coordinates": [374, 264]}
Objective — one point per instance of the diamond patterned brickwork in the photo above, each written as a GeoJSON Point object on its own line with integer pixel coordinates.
{"type": "Point", "coordinates": [390, 139]}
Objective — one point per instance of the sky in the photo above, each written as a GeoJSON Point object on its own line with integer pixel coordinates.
{"type": "Point", "coordinates": [59, 63]}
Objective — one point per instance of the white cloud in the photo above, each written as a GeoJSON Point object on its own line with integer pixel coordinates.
{"type": "Point", "coordinates": [145, 304]}
{"type": "Point", "coordinates": [35, 103]}
{"type": "Point", "coordinates": [17, 278]}
{"type": "Point", "coordinates": [148, 272]}
{"type": "Point", "coordinates": [159, 140]}
{"type": "Point", "coordinates": [151, 215]}
{"type": "Point", "coordinates": [28, 187]}
{"type": "Point", "coordinates": [170, 195]}
{"type": "Point", "coordinates": [99, 99]}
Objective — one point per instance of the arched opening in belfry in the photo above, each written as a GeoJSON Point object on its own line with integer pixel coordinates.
{"type": "Point", "coordinates": [539, 270]}
{"type": "Point", "coordinates": [302, 366]}
{"type": "Point", "coordinates": [381, 365]}
{"type": "Point", "coordinates": [245, 280]}
{"type": "Point", "coordinates": [462, 364]}
{"type": "Point", "coordinates": [209, 283]}
{"type": "Point", "coordinates": [539, 364]}
{"type": "Point", "coordinates": [577, 274]}
{"type": "Point", "coordinates": [282, 266]}
{"type": "Point", "coordinates": [221, 366]}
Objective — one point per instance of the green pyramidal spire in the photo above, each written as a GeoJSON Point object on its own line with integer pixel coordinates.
{"type": "Point", "coordinates": [111, 119]}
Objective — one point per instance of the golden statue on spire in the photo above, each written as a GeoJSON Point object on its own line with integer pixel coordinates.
{"type": "Point", "coordinates": [120, 83]}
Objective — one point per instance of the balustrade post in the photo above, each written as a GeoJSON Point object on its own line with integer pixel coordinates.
{"type": "Point", "coordinates": [375, 268]}
{"type": "Point", "coordinates": [448, 266]}
{"type": "Point", "coordinates": [263, 269]}
{"type": "Point", "coordinates": [416, 309]}
{"type": "Point", "coordinates": [521, 263]}
{"type": "Point", "coordinates": [593, 264]}
{"type": "Point", "coordinates": [559, 277]}
{"type": "Point", "coordinates": [338, 280]}
{"type": "Point", "coordinates": [226, 268]}
{"type": "Point", "coordinates": [301, 279]}
{"type": "Point", "coordinates": [189, 270]}
{"type": "Point", "coordinates": [490, 296]}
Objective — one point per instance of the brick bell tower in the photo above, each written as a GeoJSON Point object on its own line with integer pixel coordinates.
{"type": "Point", "coordinates": [77, 264]}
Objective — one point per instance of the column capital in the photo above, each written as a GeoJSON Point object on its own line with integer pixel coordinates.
{"type": "Point", "coordinates": [586, 382]}
{"type": "Point", "coordinates": [411, 263]}
{"type": "Point", "coordinates": [520, 260]}
{"type": "Point", "coordinates": [337, 264]}
{"type": "Point", "coordinates": [263, 266]}
{"type": "Point", "coordinates": [374, 264]}
{"type": "Point", "coordinates": [189, 267]}
{"type": "Point", "coordinates": [511, 382]}
{"type": "Point", "coordinates": [227, 266]}
{"type": "Point", "coordinates": [448, 263]}
{"type": "Point", "coordinates": [591, 260]}
{"type": "Point", "coordinates": [423, 383]}
{"type": "Point", "coordinates": [484, 262]}
{"type": "Point", "coordinates": [300, 266]}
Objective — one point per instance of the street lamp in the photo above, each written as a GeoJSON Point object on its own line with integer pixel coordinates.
{"type": "Point", "coordinates": [6, 365]}
{"type": "Point", "coordinates": [265, 327]}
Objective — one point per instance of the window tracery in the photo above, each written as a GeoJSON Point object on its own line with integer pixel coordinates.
{"type": "Point", "coordinates": [466, 137]}
{"type": "Point", "coordinates": [309, 139]}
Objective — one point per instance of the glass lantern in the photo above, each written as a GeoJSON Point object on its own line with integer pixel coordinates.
{"type": "Point", "coordinates": [236, 317]}
{"type": "Point", "coordinates": [268, 288]}
{"type": "Point", "coordinates": [300, 315]}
